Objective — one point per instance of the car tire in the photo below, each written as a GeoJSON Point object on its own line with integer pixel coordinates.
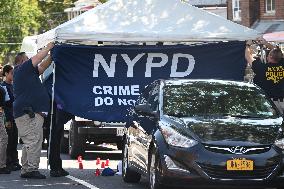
{"type": "Point", "coordinates": [128, 175]}
{"type": "Point", "coordinates": [153, 174]}
{"type": "Point", "coordinates": [64, 145]}
{"type": "Point", "coordinates": [76, 141]}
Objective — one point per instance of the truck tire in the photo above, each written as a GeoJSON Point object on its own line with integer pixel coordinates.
{"type": "Point", "coordinates": [64, 144]}
{"type": "Point", "coordinates": [76, 141]}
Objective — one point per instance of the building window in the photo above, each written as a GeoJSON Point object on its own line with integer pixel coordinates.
{"type": "Point", "coordinates": [270, 6]}
{"type": "Point", "coordinates": [236, 10]}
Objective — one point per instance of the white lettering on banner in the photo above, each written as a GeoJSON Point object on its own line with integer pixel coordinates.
{"type": "Point", "coordinates": [110, 68]}
{"type": "Point", "coordinates": [99, 101]}
{"type": "Point", "coordinates": [116, 90]}
{"type": "Point", "coordinates": [108, 101]}
{"type": "Point", "coordinates": [150, 64]}
{"type": "Point", "coordinates": [130, 63]}
{"type": "Point", "coordinates": [174, 67]}
{"type": "Point", "coordinates": [128, 90]}
{"type": "Point", "coordinates": [96, 91]}
{"type": "Point", "coordinates": [126, 102]}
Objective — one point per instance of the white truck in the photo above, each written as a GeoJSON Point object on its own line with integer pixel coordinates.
{"type": "Point", "coordinates": [81, 135]}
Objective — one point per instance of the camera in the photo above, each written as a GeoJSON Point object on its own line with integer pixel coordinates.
{"type": "Point", "coordinates": [29, 111]}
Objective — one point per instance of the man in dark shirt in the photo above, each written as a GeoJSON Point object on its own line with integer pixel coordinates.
{"type": "Point", "coordinates": [269, 76]}
{"type": "Point", "coordinates": [30, 104]}
{"type": "Point", "coordinates": [12, 131]}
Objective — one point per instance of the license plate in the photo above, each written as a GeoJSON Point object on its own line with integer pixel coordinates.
{"type": "Point", "coordinates": [119, 131]}
{"type": "Point", "coordinates": [240, 164]}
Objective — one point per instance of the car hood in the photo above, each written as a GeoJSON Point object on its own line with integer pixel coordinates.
{"type": "Point", "coordinates": [220, 130]}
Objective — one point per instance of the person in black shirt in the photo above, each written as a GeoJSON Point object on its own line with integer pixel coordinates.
{"type": "Point", "coordinates": [269, 76]}
{"type": "Point", "coordinates": [12, 131]}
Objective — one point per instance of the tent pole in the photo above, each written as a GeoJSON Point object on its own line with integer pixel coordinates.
{"type": "Point", "coordinates": [51, 114]}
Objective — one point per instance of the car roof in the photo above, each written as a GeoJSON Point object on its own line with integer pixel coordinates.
{"type": "Point", "coordinates": [206, 81]}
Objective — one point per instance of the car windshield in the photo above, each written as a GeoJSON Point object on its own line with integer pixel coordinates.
{"type": "Point", "coordinates": [200, 99]}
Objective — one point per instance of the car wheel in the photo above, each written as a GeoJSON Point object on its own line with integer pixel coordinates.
{"type": "Point", "coordinates": [153, 175]}
{"type": "Point", "coordinates": [76, 141]}
{"type": "Point", "coordinates": [128, 175]}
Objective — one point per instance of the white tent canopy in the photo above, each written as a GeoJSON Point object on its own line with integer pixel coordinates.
{"type": "Point", "coordinates": [29, 45]}
{"type": "Point", "coordinates": [147, 20]}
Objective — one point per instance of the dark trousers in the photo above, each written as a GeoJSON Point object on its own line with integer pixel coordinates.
{"type": "Point", "coordinates": [46, 130]}
{"type": "Point", "coordinates": [12, 152]}
{"type": "Point", "coordinates": [57, 132]}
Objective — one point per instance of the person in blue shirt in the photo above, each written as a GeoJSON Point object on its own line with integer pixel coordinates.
{"type": "Point", "coordinates": [12, 131]}
{"type": "Point", "coordinates": [30, 105]}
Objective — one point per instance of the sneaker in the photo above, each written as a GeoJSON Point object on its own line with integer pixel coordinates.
{"type": "Point", "coordinates": [5, 170]}
{"type": "Point", "coordinates": [15, 167]}
{"type": "Point", "coordinates": [33, 175]}
{"type": "Point", "coordinates": [58, 173]}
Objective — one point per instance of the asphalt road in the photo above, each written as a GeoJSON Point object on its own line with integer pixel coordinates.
{"type": "Point", "coordinates": [78, 178]}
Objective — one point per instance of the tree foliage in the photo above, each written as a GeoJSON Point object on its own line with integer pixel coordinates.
{"type": "Point", "coordinates": [53, 13]}
{"type": "Point", "coordinates": [20, 18]}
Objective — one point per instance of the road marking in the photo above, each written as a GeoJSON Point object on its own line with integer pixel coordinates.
{"type": "Point", "coordinates": [82, 182]}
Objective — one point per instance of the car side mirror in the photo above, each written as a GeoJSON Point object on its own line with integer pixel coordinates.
{"type": "Point", "coordinates": [145, 109]}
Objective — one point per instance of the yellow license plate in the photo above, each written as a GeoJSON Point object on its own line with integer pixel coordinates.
{"type": "Point", "coordinates": [241, 164]}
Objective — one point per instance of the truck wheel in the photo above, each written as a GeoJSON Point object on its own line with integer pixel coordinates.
{"type": "Point", "coordinates": [76, 141]}
{"type": "Point", "coordinates": [64, 145]}
{"type": "Point", "coordinates": [128, 175]}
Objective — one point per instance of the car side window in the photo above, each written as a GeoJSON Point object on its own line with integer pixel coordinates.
{"type": "Point", "coordinates": [153, 100]}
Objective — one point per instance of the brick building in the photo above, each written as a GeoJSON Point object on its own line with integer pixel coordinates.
{"type": "Point", "coordinates": [263, 15]}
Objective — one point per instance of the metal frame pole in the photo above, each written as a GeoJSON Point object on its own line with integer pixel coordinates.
{"type": "Point", "coordinates": [51, 113]}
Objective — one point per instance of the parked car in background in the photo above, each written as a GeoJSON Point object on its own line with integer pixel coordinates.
{"type": "Point", "coordinates": [201, 132]}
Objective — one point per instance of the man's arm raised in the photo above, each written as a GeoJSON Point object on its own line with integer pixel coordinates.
{"type": "Point", "coordinates": [41, 54]}
{"type": "Point", "coordinates": [44, 65]}
{"type": "Point", "coordinates": [248, 54]}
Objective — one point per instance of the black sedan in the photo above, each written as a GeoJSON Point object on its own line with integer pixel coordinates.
{"type": "Point", "coordinates": [204, 132]}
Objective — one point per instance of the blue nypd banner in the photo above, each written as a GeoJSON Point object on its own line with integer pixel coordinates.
{"type": "Point", "coordinates": [102, 82]}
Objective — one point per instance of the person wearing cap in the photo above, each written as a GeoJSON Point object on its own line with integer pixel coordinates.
{"type": "Point", "coordinates": [30, 103]}
{"type": "Point", "coordinates": [269, 76]}
{"type": "Point", "coordinates": [12, 131]}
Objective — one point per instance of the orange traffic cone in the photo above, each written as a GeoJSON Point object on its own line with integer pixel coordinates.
{"type": "Point", "coordinates": [103, 165]}
{"type": "Point", "coordinates": [107, 163]}
{"type": "Point", "coordinates": [98, 161]}
{"type": "Point", "coordinates": [97, 173]}
{"type": "Point", "coordinates": [80, 162]}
